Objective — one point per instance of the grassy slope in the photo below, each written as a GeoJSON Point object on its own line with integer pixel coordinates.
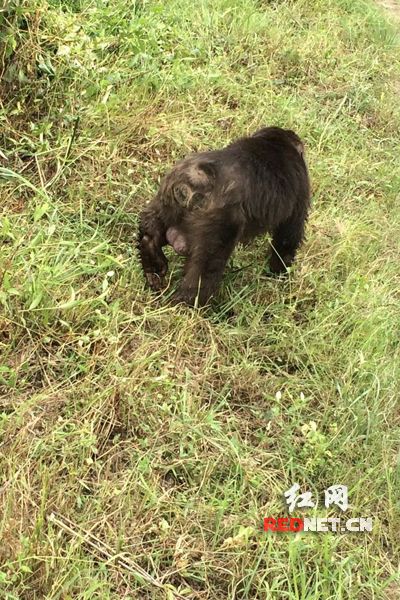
{"type": "Point", "coordinates": [159, 429]}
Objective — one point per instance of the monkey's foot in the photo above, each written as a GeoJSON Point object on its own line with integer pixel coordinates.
{"type": "Point", "coordinates": [279, 266]}
{"type": "Point", "coordinates": [191, 297]}
{"type": "Point", "coordinates": [182, 298]}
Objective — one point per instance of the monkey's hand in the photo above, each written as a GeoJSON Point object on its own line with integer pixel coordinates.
{"type": "Point", "coordinates": [154, 262]}
{"type": "Point", "coordinates": [155, 281]}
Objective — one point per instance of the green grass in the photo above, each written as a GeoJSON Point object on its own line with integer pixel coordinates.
{"type": "Point", "coordinates": [165, 433]}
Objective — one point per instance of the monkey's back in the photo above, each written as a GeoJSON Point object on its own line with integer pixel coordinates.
{"type": "Point", "coordinates": [265, 178]}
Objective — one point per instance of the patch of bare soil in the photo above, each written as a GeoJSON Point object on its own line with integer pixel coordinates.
{"type": "Point", "coordinates": [392, 6]}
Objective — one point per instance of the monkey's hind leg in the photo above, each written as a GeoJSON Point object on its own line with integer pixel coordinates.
{"type": "Point", "coordinates": [213, 238]}
{"type": "Point", "coordinates": [286, 240]}
{"type": "Point", "coordinates": [151, 240]}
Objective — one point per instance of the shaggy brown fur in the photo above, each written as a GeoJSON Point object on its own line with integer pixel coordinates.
{"type": "Point", "coordinates": [212, 200]}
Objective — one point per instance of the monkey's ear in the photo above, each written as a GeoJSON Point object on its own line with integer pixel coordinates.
{"type": "Point", "coordinates": [187, 197]}
{"type": "Point", "coordinates": [296, 141]}
{"type": "Point", "coordinates": [300, 148]}
{"type": "Point", "coordinates": [209, 169]}
{"type": "Point", "coordinates": [182, 194]}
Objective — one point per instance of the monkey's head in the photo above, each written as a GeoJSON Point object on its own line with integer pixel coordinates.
{"type": "Point", "coordinates": [189, 184]}
{"type": "Point", "coordinates": [277, 134]}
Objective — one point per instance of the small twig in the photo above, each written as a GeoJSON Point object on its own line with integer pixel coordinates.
{"type": "Point", "coordinates": [238, 269]}
{"type": "Point", "coordinates": [67, 153]}
{"type": "Point", "coordinates": [108, 552]}
{"type": "Point", "coordinates": [72, 138]}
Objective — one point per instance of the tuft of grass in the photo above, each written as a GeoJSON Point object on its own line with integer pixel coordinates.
{"type": "Point", "coordinates": [141, 445]}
